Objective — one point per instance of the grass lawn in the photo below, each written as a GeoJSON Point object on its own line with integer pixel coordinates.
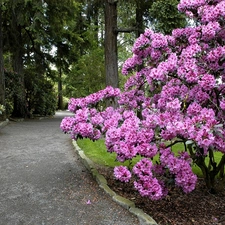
{"type": "Point", "coordinates": [97, 152]}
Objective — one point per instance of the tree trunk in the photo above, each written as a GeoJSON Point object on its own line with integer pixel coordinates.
{"type": "Point", "coordinates": [2, 77]}
{"type": "Point", "coordinates": [111, 64]}
{"type": "Point", "coordinates": [211, 171]}
{"type": "Point", "coordinates": [60, 96]}
{"type": "Point", "coordinates": [20, 107]}
{"type": "Point", "coordinates": [111, 57]}
{"type": "Point", "coordinates": [139, 19]}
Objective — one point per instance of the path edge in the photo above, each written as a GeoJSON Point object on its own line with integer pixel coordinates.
{"type": "Point", "coordinates": [3, 123]}
{"type": "Point", "coordinates": [144, 219]}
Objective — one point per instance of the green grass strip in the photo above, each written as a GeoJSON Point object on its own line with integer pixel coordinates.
{"type": "Point", "coordinates": [96, 151]}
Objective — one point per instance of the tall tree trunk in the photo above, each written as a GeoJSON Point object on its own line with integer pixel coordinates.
{"type": "Point", "coordinates": [60, 96]}
{"type": "Point", "coordinates": [20, 107]}
{"type": "Point", "coordinates": [111, 65]}
{"type": "Point", "coordinates": [139, 31]}
{"type": "Point", "coordinates": [139, 18]}
{"type": "Point", "coordinates": [2, 77]}
{"type": "Point", "coordinates": [111, 57]}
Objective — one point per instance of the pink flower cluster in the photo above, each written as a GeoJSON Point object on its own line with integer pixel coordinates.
{"type": "Point", "coordinates": [131, 138]}
{"type": "Point", "coordinates": [148, 185]}
{"type": "Point", "coordinates": [180, 168]}
{"type": "Point", "coordinates": [81, 126]}
{"type": "Point", "coordinates": [205, 12]}
{"type": "Point", "coordinates": [122, 173]}
{"type": "Point", "coordinates": [179, 94]}
{"type": "Point", "coordinates": [87, 121]}
{"type": "Point", "coordinates": [92, 99]}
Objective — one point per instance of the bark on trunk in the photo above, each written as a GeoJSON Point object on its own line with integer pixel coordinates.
{"type": "Point", "coordinates": [20, 107]}
{"type": "Point", "coordinates": [111, 58]}
{"type": "Point", "coordinates": [139, 19]}
{"type": "Point", "coordinates": [2, 76]}
{"type": "Point", "coordinates": [111, 65]}
{"type": "Point", "coordinates": [60, 96]}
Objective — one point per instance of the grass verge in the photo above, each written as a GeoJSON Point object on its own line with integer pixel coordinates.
{"type": "Point", "coordinates": [96, 151]}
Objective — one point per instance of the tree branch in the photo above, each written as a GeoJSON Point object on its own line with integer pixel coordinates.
{"type": "Point", "coordinates": [41, 54]}
{"type": "Point", "coordinates": [175, 142]}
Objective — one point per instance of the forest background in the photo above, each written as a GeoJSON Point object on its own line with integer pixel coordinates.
{"type": "Point", "coordinates": [52, 50]}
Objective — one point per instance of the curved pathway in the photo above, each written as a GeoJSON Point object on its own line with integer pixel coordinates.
{"type": "Point", "coordinates": [43, 182]}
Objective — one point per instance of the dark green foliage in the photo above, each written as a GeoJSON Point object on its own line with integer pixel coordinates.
{"type": "Point", "coordinates": [40, 95]}
{"type": "Point", "coordinates": [87, 75]}
{"type": "Point", "coordinates": [75, 30]}
{"type": "Point", "coordinates": [165, 16]}
{"type": "Point", "coordinates": [13, 88]}
{"type": "Point", "coordinates": [31, 29]}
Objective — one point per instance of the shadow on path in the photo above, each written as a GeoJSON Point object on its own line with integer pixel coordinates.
{"type": "Point", "coordinates": [43, 182]}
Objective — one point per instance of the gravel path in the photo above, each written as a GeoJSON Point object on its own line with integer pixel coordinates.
{"type": "Point", "coordinates": [43, 182]}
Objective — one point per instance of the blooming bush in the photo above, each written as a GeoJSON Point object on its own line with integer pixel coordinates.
{"type": "Point", "coordinates": [178, 96]}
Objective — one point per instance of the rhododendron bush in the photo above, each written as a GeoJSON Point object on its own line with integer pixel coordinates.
{"type": "Point", "coordinates": [175, 93]}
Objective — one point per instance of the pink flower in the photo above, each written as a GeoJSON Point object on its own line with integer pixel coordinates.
{"type": "Point", "coordinates": [122, 173]}
{"type": "Point", "coordinates": [222, 104]}
{"type": "Point", "coordinates": [143, 168]}
{"type": "Point", "coordinates": [174, 105]}
{"type": "Point", "coordinates": [194, 109]}
{"type": "Point", "coordinates": [149, 187]}
{"type": "Point", "coordinates": [88, 202]}
{"type": "Point", "coordinates": [67, 124]}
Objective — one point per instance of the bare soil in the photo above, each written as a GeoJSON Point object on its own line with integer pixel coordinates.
{"type": "Point", "coordinates": [197, 208]}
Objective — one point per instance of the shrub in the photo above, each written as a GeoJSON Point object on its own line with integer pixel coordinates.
{"type": "Point", "coordinates": [175, 94]}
